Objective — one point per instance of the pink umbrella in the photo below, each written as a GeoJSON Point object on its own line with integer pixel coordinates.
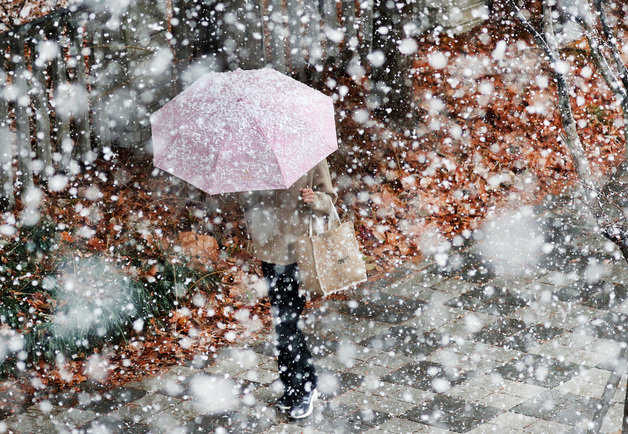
{"type": "Point", "coordinates": [243, 131]}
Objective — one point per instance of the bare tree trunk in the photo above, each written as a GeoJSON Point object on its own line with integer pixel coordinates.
{"type": "Point", "coordinates": [7, 200]}
{"type": "Point", "coordinates": [392, 81]}
{"type": "Point", "coordinates": [610, 37]}
{"type": "Point", "coordinates": [84, 147]}
{"type": "Point", "coordinates": [22, 123]}
{"type": "Point", "coordinates": [624, 425]}
{"type": "Point", "coordinates": [609, 392]}
{"type": "Point", "coordinates": [572, 141]}
{"type": "Point", "coordinates": [617, 86]}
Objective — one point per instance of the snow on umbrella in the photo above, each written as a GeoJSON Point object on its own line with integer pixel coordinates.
{"type": "Point", "coordinates": [243, 130]}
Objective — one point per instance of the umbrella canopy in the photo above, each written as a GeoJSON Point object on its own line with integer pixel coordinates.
{"type": "Point", "coordinates": [243, 130]}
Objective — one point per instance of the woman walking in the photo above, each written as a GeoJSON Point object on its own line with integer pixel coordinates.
{"type": "Point", "coordinates": [275, 219]}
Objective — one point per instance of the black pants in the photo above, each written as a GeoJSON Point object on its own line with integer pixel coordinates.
{"type": "Point", "coordinates": [294, 363]}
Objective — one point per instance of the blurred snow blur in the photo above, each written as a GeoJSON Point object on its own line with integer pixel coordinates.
{"type": "Point", "coordinates": [512, 241]}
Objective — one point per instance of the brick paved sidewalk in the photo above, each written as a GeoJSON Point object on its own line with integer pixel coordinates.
{"type": "Point", "coordinates": [425, 349]}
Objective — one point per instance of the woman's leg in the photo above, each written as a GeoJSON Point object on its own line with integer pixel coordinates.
{"type": "Point", "coordinates": [296, 370]}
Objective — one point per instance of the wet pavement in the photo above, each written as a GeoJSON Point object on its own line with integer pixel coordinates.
{"type": "Point", "coordinates": [427, 348]}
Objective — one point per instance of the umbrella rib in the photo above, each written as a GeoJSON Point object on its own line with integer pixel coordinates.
{"type": "Point", "coordinates": [261, 133]}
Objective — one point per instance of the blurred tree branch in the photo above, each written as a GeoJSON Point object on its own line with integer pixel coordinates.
{"type": "Point", "coordinates": [11, 12]}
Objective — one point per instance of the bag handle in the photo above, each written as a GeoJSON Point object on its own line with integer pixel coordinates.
{"type": "Point", "coordinates": [332, 213]}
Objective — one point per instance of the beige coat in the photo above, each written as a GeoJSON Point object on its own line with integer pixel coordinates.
{"type": "Point", "coordinates": [276, 218]}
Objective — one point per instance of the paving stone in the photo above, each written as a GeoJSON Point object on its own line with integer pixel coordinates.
{"type": "Point", "coordinates": [540, 371]}
{"type": "Point", "coordinates": [377, 403]}
{"type": "Point", "coordinates": [501, 401]}
{"type": "Point", "coordinates": [58, 420]}
{"type": "Point", "coordinates": [590, 358]}
{"type": "Point", "coordinates": [331, 384]}
{"type": "Point", "coordinates": [266, 347]}
{"type": "Point", "coordinates": [434, 297]}
{"type": "Point", "coordinates": [364, 419]}
{"type": "Point", "coordinates": [365, 369]}
{"type": "Point", "coordinates": [513, 420]}
{"type": "Point", "coordinates": [397, 425]}
{"type": "Point", "coordinates": [389, 360]}
{"type": "Point", "coordinates": [621, 389]}
{"type": "Point", "coordinates": [234, 361]}
{"type": "Point", "coordinates": [427, 376]}
{"type": "Point", "coordinates": [600, 294]}
{"type": "Point", "coordinates": [532, 336]}
{"type": "Point", "coordinates": [231, 422]}
{"type": "Point", "coordinates": [501, 332]}
{"type": "Point", "coordinates": [499, 354]}
{"type": "Point", "coordinates": [395, 392]}
{"type": "Point", "coordinates": [183, 371]}
{"type": "Point", "coordinates": [458, 329]}
{"type": "Point", "coordinates": [107, 423]}
{"type": "Point", "coordinates": [561, 407]}
{"type": "Point", "coordinates": [113, 399]}
{"type": "Point", "coordinates": [488, 299]}
{"type": "Point", "coordinates": [563, 258]}
{"type": "Point", "coordinates": [332, 363]}
{"type": "Point", "coordinates": [556, 313]}
{"type": "Point", "coordinates": [374, 431]}
{"type": "Point", "coordinates": [42, 411]}
{"type": "Point", "coordinates": [332, 417]}
{"type": "Point", "coordinates": [468, 392]}
{"type": "Point", "coordinates": [268, 395]}
{"type": "Point", "coordinates": [492, 428]}
{"type": "Point", "coordinates": [432, 316]}
{"type": "Point", "coordinates": [21, 422]}
{"type": "Point", "coordinates": [612, 420]}
{"type": "Point", "coordinates": [590, 390]}
{"type": "Point", "coordinates": [613, 326]}
{"type": "Point", "coordinates": [172, 385]}
{"type": "Point", "coordinates": [544, 287]}
{"type": "Point", "coordinates": [544, 427]}
{"type": "Point", "coordinates": [405, 341]}
{"type": "Point", "coordinates": [410, 285]}
{"type": "Point", "coordinates": [164, 422]}
{"type": "Point", "coordinates": [285, 428]}
{"type": "Point", "coordinates": [451, 413]}
{"type": "Point", "coordinates": [330, 322]}
{"type": "Point", "coordinates": [364, 330]}
{"type": "Point", "coordinates": [262, 417]}
{"type": "Point", "coordinates": [519, 389]}
{"type": "Point", "coordinates": [321, 347]}
{"type": "Point", "coordinates": [74, 417]}
{"type": "Point", "coordinates": [158, 383]}
{"type": "Point", "coordinates": [621, 307]}
{"type": "Point", "coordinates": [259, 375]}
{"type": "Point", "coordinates": [385, 308]}
{"type": "Point", "coordinates": [452, 286]}
{"type": "Point", "coordinates": [182, 411]}
{"type": "Point", "coordinates": [551, 350]}
{"type": "Point", "coordinates": [144, 407]}
{"type": "Point", "coordinates": [199, 361]}
{"type": "Point", "coordinates": [464, 361]}
{"type": "Point", "coordinates": [64, 399]}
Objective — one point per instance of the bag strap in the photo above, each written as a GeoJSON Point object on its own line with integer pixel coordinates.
{"type": "Point", "coordinates": [332, 213]}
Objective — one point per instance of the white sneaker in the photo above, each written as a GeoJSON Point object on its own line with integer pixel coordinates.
{"type": "Point", "coordinates": [303, 408]}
